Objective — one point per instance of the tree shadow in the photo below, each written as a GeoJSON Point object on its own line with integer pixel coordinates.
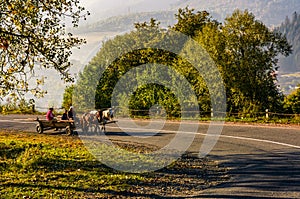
{"type": "Point", "coordinates": [137, 134]}
{"type": "Point", "coordinates": [154, 188]}
{"type": "Point", "coordinates": [188, 173]}
{"type": "Point", "coordinates": [92, 190]}
{"type": "Point", "coordinates": [122, 134]}
{"type": "Point", "coordinates": [254, 174]}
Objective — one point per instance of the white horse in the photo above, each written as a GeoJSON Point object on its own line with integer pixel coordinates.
{"type": "Point", "coordinates": [93, 120]}
{"type": "Point", "coordinates": [108, 114]}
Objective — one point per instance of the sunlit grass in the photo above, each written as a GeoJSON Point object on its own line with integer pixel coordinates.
{"type": "Point", "coordinates": [53, 166]}
{"type": "Point", "coordinates": [59, 166]}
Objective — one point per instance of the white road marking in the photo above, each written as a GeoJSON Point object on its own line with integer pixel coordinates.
{"type": "Point", "coordinates": [223, 136]}
{"type": "Point", "coordinates": [259, 140]}
{"type": "Point", "coordinates": [170, 131]}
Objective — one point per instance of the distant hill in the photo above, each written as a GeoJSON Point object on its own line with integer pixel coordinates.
{"type": "Point", "coordinates": [121, 18]}
{"type": "Point", "coordinates": [104, 9]}
{"type": "Point", "coordinates": [125, 23]}
{"type": "Point", "coordinates": [270, 12]}
{"type": "Point", "coordinates": [291, 28]}
{"type": "Point", "coordinates": [289, 71]}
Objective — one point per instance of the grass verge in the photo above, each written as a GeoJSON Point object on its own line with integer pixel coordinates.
{"type": "Point", "coordinates": [58, 166]}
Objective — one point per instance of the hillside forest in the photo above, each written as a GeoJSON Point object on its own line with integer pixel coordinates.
{"type": "Point", "coordinates": [244, 50]}
{"type": "Point", "coordinates": [290, 28]}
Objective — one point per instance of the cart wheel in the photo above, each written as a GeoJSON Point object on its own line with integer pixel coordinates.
{"type": "Point", "coordinates": [39, 129]}
{"type": "Point", "coordinates": [68, 130]}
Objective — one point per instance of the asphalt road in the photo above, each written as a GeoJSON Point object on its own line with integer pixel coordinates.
{"type": "Point", "coordinates": [263, 161]}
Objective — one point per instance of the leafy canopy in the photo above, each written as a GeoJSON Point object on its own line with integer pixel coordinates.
{"type": "Point", "coordinates": [33, 34]}
{"type": "Point", "coordinates": [250, 63]}
{"type": "Point", "coordinates": [292, 102]}
{"type": "Point", "coordinates": [244, 49]}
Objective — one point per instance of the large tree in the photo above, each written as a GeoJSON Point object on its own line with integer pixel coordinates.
{"type": "Point", "coordinates": [250, 62]}
{"type": "Point", "coordinates": [246, 53]}
{"type": "Point", "coordinates": [33, 34]}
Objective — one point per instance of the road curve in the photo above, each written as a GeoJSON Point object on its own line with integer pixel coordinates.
{"type": "Point", "coordinates": [263, 161]}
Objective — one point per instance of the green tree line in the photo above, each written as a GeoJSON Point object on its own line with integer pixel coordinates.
{"type": "Point", "coordinates": [244, 50]}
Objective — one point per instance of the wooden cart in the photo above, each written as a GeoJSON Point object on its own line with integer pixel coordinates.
{"type": "Point", "coordinates": [44, 125]}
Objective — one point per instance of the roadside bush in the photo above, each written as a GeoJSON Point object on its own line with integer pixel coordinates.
{"type": "Point", "coordinates": [292, 102]}
{"type": "Point", "coordinates": [17, 107]}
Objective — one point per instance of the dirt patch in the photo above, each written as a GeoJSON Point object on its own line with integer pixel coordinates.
{"type": "Point", "coordinates": [186, 177]}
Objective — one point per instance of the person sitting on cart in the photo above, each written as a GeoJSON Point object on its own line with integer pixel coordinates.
{"type": "Point", "coordinates": [50, 115]}
{"type": "Point", "coordinates": [71, 113]}
{"type": "Point", "coordinates": [65, 115]}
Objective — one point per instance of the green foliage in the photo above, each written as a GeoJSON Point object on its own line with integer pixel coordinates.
{"type": "Point", "coordinates": [189, 22]}
{"type": "Point", "coordinates": [67, 97]}
{"type": "Point", "coordinates": [244, 50]}
{"type": "Point", "coordinates": [33, 34]}
{"type": "Point", "coordinates": [17, 106]}
{"type": "Point", "coordinates": [144, 35]}
{"type": "Point", "coordinates": [150, 95]}
{"type": "Point", "coordinates": [292, 102]}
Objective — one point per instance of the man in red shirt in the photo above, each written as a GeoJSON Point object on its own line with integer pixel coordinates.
{"type": "Point", "coordinates": [50, 115]}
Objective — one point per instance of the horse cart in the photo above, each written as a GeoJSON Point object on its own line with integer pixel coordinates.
{"type": "Point", "coordinates": [43, 125]}
{"type": "Point", "coordinates": [95, 121]}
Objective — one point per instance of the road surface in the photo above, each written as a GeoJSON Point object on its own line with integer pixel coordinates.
{"type": "Point", "coordinates": [263, 161]}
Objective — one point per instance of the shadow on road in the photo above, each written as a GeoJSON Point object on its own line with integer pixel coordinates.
{"type": "Point", "coordinates": [143, 134]}
{"type": "Point", "coordinates": [260, 175]}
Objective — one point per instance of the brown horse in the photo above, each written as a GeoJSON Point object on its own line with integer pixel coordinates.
{"type": "Point", "coordinates": [94, 121]}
